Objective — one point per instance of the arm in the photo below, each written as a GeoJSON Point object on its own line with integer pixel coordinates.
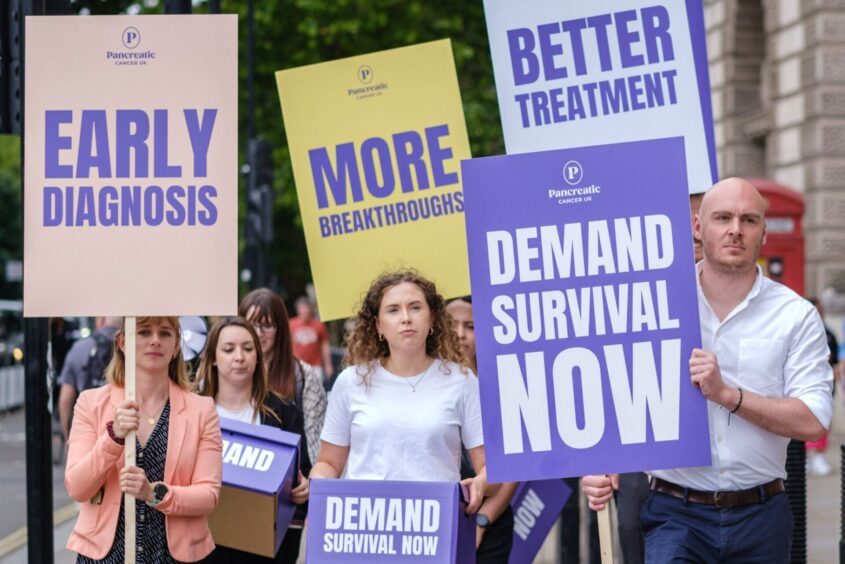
{"type": "Point", "coordinates": [67, 397]}
{"type": "Point", "coordinates": [200, 497]}
{"type": "Point", "coordinates": [328, 368]}
{"type": "Point", "coordinates": [314, 404]}
{"type": "Point", "coordinates": [331, 462]}
{"type": "Point", "coordinates": [788, 417]}
{"type": "Point", "coordinates": [494, 506]}
{"type": "Point", "coordinates": [478, 486]}
{"type": "Point", "coordinates": [92, 454]}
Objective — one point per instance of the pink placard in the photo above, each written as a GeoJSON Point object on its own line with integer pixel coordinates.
{"type": "Point", "coordinates": [130, 196]}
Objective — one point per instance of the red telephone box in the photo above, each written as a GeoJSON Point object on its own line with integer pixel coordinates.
{"type": "Point", "coordinates": [782, 257]}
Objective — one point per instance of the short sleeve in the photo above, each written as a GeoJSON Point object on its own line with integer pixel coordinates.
{"type": "Point", "coordinates": [337, 427]}
{"type": "Point", "coordinates": [471, 432]}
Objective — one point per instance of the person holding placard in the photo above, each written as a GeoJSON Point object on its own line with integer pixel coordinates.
{"type": "Point", "coordinates": [232, 372]}
{"type": "Point", "coordinates": [176, 482]}
{"type": "Point", "coordinates": [404, 405]}
{"type": "Point", "coordinates": [764, 371]}
{"type": "Point", "coordinates": [294, 380]}
{"type": "Point", "coordinates": [494, 520]}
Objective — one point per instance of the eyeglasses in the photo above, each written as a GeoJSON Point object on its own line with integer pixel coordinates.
{"type": "Point", "coordinates": [264, 327]}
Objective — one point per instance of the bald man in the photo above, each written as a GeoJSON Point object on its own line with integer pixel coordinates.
{"type": "Point", "coordinates": [764, 372]}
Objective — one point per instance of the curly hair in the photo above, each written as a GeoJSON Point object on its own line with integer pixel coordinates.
{"type": "Point", "coordinates": [363, 345]}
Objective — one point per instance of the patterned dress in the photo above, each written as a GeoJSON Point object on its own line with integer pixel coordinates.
{"type": "Point", "coordinates": [150, 533]}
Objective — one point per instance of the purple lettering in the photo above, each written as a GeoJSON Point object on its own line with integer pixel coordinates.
{"type": "Point", "coordinates": [55, 143]}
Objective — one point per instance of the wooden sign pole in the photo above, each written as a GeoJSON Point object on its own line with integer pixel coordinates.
{"type": "Point", "coordinates": [605, 534]}
{"type": "Point", "coordinates": [129, 453]}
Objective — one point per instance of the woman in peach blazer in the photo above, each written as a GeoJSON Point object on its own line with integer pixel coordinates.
{"type": "Point", "coordinates": [176, 482]}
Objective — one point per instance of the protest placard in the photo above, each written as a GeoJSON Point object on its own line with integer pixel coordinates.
{"type": "Point", "coordinates": [574, 74]}
{"type": "Point", "coordinates": [388, 521]}
{"type": "Point", "coordinates": [586, 311]}
{"type": "Point", "coordinates": [376, 141]}
{"type": "Point", "coordinates": [536, 507]}
{"type": "Point", "coordinates": [131, 188]}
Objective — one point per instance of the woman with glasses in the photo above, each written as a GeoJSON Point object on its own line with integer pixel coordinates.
{"type": "Point", "coordinates": [232, 372]}
{"type": "Point", "coordinates": [292, 379]}
{"type": "Point", "coordinates": [406, 404]}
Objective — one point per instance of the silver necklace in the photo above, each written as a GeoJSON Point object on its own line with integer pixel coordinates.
{"type": "Point", "coordinates": [420, 379]}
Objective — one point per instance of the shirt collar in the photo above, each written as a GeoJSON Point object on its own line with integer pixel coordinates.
{"type": "Point", "coordinates": [755, 290]}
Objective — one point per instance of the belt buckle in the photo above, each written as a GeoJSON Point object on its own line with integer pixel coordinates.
{"type": "Point", "coordinates": [717, 497]}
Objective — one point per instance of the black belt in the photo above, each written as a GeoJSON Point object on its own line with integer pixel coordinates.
{"type": "Point", "coordinates": [722, 498]}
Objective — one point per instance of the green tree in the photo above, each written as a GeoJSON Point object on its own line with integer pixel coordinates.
{"type": "Point", "coordinates": [11, 228]}
{"type": "Point", "coordinates": [292, 33]}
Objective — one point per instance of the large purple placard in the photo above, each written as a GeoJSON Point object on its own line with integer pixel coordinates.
{"type": "Point", "coordinates": [388, 521]}
{"type": "Point", "coordinates": [536, 506]}
{"type": "Point", "coordinates": [585, 311]}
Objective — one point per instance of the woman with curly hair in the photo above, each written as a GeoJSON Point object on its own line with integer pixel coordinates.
{"type": "Point", "coordinates": [406, 402]}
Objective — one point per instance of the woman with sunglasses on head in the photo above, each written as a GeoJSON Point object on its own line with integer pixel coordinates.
{"type": "Point", "coordinates": [494, 520]}
{"type": "Point", "coordinates": [292, 379]}
{"type": "Point", "coordinates": [176, 479]}
{"type": "Point", "coordinates": [405, 405]}
{"type": "Point", "coordinates": [231, 371]}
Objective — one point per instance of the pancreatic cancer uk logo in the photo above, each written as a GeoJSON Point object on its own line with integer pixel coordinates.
{"type": "Point", "coordinates": [365, 75]}
{"type": "Point", "coordinates": [574, 192]}
{"type": "Point", "coordinates": [130, 38]}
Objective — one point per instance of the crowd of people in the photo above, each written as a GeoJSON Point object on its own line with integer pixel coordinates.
{"type": "Point", "coordinates": [406, 407]}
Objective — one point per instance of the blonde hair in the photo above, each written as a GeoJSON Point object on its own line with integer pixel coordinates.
{"type": "Point", "coordinates": [116, 370]}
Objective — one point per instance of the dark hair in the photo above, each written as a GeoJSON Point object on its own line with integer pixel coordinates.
{"type": "Point", "coordinates": [364, 345]}
{"type": "Point", "coordinates": [208, 380]}
{"type": "Point", "coordinates": [264, 303]}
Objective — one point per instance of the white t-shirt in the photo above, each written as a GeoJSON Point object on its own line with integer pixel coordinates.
{"type": "Point", "coordinates": [247, 415]}
{"type": "Point", "coordinates": [396, 433]}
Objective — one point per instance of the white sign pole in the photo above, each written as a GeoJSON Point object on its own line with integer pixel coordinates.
{"type": "Point", "coordinates": [605, 534]}
{"type": "Point", "coordinates": [129, 453]}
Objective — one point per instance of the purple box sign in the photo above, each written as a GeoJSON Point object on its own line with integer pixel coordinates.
{"type": "Point", "coordinates": [262, 459]}
{"type": "Point", "coordinates": [536, 506]}
{"type": "Point", "coordinates": [585, 310]}
{"type": "Point", "coordinates": [388, 521]}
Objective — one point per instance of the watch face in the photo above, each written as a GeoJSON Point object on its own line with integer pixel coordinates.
{"type": "Point", "coordinates": [482, 520]}
{"type": "Point", "coordinates": [160, 491]}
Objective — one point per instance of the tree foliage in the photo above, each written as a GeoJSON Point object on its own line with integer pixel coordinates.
{"type": "Point", "coordinates": [293, 33]}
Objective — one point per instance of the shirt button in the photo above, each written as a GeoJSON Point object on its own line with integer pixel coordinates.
{"type": "Point", "coordinates": [140, 549]}
{"type": "Point", "coordinates": [718, 439]}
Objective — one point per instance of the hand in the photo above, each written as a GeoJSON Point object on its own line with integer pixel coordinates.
{"type": "Point", "coordinates": [599, 489]}
{"type": "Point", "coordinates": [476, 488]}
{"type": "Point", "coordinates": [707, 377]}
{"type": "Point", "coordinates": [126, 419]}
{"type": "Point", "coordinates": [299, 494]}
{"type": "Point", "coordinates": [479, 536]}
{"type": "Point", "coordinates": [133, 481]}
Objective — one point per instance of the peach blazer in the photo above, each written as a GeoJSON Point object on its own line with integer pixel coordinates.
{"type": "Point", "coordinates": [192, 473]}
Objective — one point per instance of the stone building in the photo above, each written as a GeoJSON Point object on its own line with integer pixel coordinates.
{"type": "Point", "coordinates": [777, 73]}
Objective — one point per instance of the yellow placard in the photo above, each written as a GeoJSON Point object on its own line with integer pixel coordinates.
{"type": "Point", "coordinates": [376, 143]}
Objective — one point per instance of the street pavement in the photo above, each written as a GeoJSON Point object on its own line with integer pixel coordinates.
{"type": "Point", "coordinates": [823, 499]}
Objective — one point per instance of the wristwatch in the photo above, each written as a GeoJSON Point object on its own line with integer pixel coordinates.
{"type": "Point", "coordinates": [159, 491]}
{"type": "Point", "coordinates": [482, 520]}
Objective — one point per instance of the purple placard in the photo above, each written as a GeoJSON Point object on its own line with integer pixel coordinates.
{"type": "Point", "coordinates": [257, 457]}
{"type": "Point", "coordinates": [262, 459]}
{"type": "Point", "coordinates": [536, 506]}
{"type": "Point", "coordinates": [585, 311]}
{"type": "Point", "coordinates": [391, 521]}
